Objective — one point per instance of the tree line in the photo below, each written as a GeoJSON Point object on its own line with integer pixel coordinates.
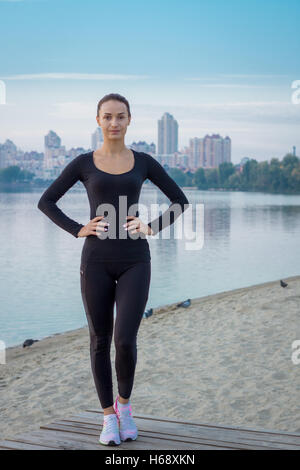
{"type": "Point", "coordinates": [14, 174]}
{"type": "Point", "coordinates": [274, 176]}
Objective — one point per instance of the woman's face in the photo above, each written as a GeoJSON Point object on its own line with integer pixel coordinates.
{"type": "Point", "coordinates": [113, 116]}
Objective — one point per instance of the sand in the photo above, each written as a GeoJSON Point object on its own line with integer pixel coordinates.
{"type": "Point", "coordinates": [227, 360]}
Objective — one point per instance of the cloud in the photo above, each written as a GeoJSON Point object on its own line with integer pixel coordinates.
{"type": "Point", "coordinates": [237, 115]}
{"type": "Point", "coordinates": [232, 85]}
{"type": "Point", "coordinates": [74, 76]}
{"type": "Point", "coordinates": [256, 112]}
{"type": "Point", "coordinates": [74, 110]}
{"type": "Point", "coordinates": [237, 75]}
{"type": "Point", "coordinates": [217, 76]}
{"type": "Point", "coordinates": [21, 1]}
{"type": "Point", "coordinates": [240, 80]}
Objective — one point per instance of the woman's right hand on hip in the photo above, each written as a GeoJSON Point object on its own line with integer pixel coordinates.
{"type": "Point", "coordinates": [91, 228]}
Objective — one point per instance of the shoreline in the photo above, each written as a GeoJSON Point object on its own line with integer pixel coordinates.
{"type": "Point", "coordinates": [28, 187]}
{"type": "Point", "coordinates": [226, 359]}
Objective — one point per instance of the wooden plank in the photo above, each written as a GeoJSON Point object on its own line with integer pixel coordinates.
{"type": "Point", "coordinates": [184, 428]}
{"type": "Point", "coordinates": [87, 428]}
{"type": "Point", "coordinates": [257, 445]}
{"type": "Point", "coordinates": [58, 440]}
{"type": "Point", "coordinates": [15, 445]}
{"type": "Point", "coordinates": [145, 440]}
{"type": "Point", "coordinates": [81, 432]}
{"type": "Point", "coordinates": [142, 442]}
{"type": "Point", "coordinates": [191, 441]}
{"type": "Point", "coordinates": [208, 425]}
{"type": "Point", "coordinates": [202, 424]}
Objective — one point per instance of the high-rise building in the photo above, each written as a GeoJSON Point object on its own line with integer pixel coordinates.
{"type": "Point", "coordinates": [52, 140]}
{"type": "Point", "coordinates": [53, 150]}
{"type": "Point", "coordinates": [209, 151]}
{"type": "Point", "coordinates": [74, 152]}
{"type": "Point", "coordinates": [175, 160]}
{"type": "Point", "coordinates": [142, 146]}
{"type": "Point", "coordinates": [97, 139]}
{"type": "Point", "coordinates": [227, 149]}
{"type": "Point", "coordinates": [196, 153]}
{"type": "Point", "coordinates": [8, 153]}
{"type": "Point", "coordinates": [167, 142]}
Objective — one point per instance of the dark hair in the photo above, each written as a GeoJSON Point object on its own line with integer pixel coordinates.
{"type": "Point", "coordinates": [113, 96]}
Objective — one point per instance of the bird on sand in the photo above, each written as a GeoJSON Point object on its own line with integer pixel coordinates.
{"type": "Point", "coordinates": [29, 342]}
{"type": "Point", "coordinates": [148, 313]}
{"type": "Point", "coordinates": [185, 304]}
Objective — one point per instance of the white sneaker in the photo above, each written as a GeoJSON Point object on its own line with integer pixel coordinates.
{"type": "Point", "coordinates": [110, 435]}
{"type": "Point", "coordinates": [127, 426]}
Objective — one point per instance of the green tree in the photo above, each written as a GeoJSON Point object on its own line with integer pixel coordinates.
{"type": "Point", "coordinates": [249, 174]}
{"type": "Point", "coordinates": [262, 179]}
{"type": "Point", "coordinates": [9, 174]}
{"type": "Point", "coordinates": [200, 179]}
{"type": "Point", "coordinates": [234, 181]}
{"type": "Point", "coordinates": [225, 169]}
{"type": "Point", "coordinates": [212, 178]}
{"type": "Point", "coordinates": [275, 178]}
{"type": "Point", "coordinates": [178, 176]}
{"type": "Point", "coordinates": [14, 173]}
{"type": "Point", "coordinates": [295, 180]}
{"type": "Point", "coordinates": [189, 178]}
{"type": "Point", "coordinates": [290, 161]}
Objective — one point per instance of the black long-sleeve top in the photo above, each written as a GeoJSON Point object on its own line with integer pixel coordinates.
{"type": "Point", "coordinates": [103, 190]}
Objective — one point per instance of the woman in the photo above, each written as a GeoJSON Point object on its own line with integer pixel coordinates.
{"type": "Point", "coordinates": [115, 258]}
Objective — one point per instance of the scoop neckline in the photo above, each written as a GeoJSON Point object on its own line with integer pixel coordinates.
{"type": "Point", "coordinates": [114, 174]}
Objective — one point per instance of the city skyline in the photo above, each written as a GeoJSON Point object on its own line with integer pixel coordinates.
{"type": "Point", "coordinates": [202, 152]}
{"type": "Point", "coordinates": [206, 152]}
{"type": "Point", "coordinates": [219, 68]}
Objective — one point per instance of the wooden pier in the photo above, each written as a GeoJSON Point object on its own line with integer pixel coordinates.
{"type": "Point", "coordinates": [81, 432]}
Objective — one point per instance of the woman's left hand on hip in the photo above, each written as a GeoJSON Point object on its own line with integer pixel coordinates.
{"type": "Point", "coordinates": [136, 225]}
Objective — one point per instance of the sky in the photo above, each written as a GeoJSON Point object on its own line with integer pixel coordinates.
{"type": "Point", "coordinates": [217, 66]}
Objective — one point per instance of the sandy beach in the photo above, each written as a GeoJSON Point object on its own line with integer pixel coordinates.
{"type": "Point", "coordinates": [227, 359]}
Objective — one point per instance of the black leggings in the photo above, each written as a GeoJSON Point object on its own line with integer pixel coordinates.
{"type": "Point", "coordinates": [102, 284]}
